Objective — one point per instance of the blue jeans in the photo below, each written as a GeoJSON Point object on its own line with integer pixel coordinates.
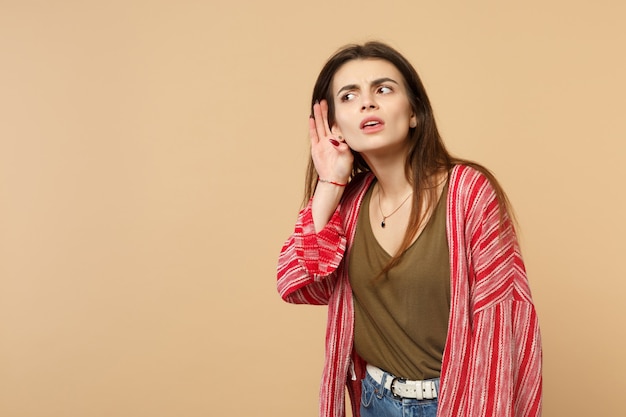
{"type": "Point", "coordinates": [376, 401]}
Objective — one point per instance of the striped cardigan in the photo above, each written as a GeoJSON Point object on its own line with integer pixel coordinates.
{"type": "Point", "coordinates": [492, 357]}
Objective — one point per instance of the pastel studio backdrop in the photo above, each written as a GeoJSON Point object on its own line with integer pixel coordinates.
{"type": "Point", "coordinates": [152, 156]}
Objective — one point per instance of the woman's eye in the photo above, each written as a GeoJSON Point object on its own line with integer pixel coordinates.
{"type": "Point", "coordinates": [347, 97]}
{"type": "Point", "coordinates": [384, 89]}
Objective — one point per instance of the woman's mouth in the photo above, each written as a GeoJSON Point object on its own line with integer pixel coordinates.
{"type": "Point", "coordinates": [372, 124]}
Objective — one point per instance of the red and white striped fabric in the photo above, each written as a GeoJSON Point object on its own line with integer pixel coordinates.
{"type": "Point", "coordinates": [492, 358]}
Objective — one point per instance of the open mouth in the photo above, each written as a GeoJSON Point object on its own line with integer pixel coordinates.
{"type": "Point", "coordinates": [371, 123]}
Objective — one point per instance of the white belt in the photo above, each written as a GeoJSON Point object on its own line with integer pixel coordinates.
{"type": "Point", "coordinates": [421, 390]}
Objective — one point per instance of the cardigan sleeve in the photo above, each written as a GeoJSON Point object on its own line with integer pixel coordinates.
{"type": "Point", "coordinates": [504, 364]}
{"type": "Point", "coordinates": [308, 260]}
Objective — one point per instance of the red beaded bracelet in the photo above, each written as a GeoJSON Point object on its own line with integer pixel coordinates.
{"type": "Point", "coordinates": [332, 182]}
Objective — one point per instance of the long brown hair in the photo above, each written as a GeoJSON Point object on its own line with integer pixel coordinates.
{"type": "Point", "coordinates": [427, 154]}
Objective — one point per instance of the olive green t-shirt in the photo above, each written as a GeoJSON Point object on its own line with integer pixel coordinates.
{"type": "Point", "coordinates": [401, 320]}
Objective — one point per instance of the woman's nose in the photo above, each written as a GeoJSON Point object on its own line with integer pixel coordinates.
{"type": "Point", "coordinates": [368, 103]}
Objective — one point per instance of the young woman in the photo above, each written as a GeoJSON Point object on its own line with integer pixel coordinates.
{"type": "Point", "coordinates": [413, 251]}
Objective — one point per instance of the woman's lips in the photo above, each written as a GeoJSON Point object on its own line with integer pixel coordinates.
{"type": "Point", "coordinates": [372, 125]}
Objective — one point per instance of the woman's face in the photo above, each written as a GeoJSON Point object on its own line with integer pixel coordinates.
{"type": "Point", "coordinates": [372, 109]}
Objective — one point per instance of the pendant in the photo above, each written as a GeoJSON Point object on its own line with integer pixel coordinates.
{"type": "Point", "coordinates": [382, 224]}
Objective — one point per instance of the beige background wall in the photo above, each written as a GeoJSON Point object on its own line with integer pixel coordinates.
{"type": "Point", "coordinates": [151, 165]}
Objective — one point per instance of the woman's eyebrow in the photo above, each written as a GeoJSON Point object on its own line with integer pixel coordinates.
{"type": "Point", "coordinates": [384, 80]}
{"type": "Point", "coordinates": [377, 81]}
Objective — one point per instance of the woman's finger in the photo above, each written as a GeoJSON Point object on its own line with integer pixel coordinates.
{"type": "Point", "coordinates": [313, 132]}
{"type": "Point", "coordinates": [324, 109]}
{"type": "Point", "coordinates": [319, 120]}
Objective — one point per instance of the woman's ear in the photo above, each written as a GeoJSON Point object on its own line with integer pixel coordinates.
{"type": "Point", "coordinates": [413, 121]}
{"type": "Point", "coordinates": [337, 132]}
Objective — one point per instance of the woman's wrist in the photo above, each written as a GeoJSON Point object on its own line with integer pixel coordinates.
{"type": "Point", "coordinates": [338, 184]}
{"type": "Point", "coordinates": [325, 201]}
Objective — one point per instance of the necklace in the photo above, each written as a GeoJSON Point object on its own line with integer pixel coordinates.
{"type": "Point", "coordinates": [383, 224]}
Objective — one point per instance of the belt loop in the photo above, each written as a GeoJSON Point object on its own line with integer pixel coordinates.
{"type": "Point", "coordinates": [419, 389]}
{"type": "Point", "coordinates": [381, 391]}
{"type": "Point", "coordinates": [435, 388]}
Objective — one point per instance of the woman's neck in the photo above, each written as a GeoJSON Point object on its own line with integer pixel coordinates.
{"type": "Point", "coordinates": [391, 176]}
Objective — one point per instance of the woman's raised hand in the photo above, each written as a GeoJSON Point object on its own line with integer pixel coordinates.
{"type": "Point", "coordinates": [331, 155]}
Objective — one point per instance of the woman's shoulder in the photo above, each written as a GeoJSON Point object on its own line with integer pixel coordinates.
{"type": "Point", "coordinates": [471, 174]}
{"type": "Point", "coordinates": [471, 182]}
{"type": "Point", "coordinates": [468, 172]}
